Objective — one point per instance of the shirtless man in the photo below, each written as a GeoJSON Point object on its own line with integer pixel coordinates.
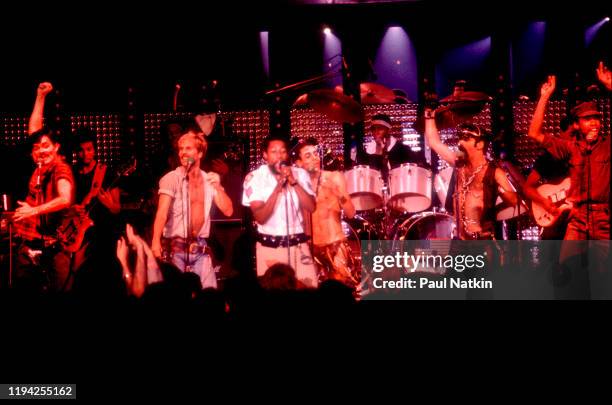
{"type": "Point", "coordinates": [331, 250]}
{"type": "Point", "coordinates": [478, 181]}
{"type": "Point", "coordinates": [182, 222]}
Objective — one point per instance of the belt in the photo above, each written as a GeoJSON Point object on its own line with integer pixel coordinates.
{"type": "Point", "coordinates": [181, 245]}
{"type": "Point", "coordinates": [274, 241]}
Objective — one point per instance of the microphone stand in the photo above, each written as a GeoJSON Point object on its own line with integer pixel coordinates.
{"type": "Point", "coordinates": [589, 213]}
{"type": "Point", "coordinates": [517, 185]}
{"type": "Point", "coordinates": [303, 83]}
{"type": "Point", "coordinates": [286, 193]}
{"type": "Point", "coordinates": [187, 217]}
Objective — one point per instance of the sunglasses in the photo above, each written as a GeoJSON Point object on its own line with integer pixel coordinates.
{"type": "Point", "coordinates": [465, 134]}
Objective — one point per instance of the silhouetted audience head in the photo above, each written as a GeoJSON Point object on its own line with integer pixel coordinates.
{"type": "Point", "coordinates": [279, 277]}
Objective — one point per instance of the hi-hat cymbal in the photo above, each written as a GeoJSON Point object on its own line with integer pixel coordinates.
{"type": "Point", "coordinates": [337, 106]}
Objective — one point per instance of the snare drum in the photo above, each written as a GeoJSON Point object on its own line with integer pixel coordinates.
{"type": "Point", "coordinates": [410, 188]}
{"type": "Point", "coordinates": [365, 186]}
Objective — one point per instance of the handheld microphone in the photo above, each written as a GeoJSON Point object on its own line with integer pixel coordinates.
{"type": "Point", "coordinates": [459, 158]}
{"type": "Point", "coordinates": [281, 164]}
{"type": "Point", "coordinates": [39, 164]}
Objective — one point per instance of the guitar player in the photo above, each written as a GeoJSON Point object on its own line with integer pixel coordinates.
{"type": "Point", "coordinates": [588, 156]}
{"type": "Point", "coordinates": [98, 196]}
{"type": "Point", "coordinates": [548, 170]}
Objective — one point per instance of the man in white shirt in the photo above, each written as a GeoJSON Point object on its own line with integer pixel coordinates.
{"type": "Point", "coordinates": [277, 194]}
{"type": "Point", "coordinates": [186, 195]}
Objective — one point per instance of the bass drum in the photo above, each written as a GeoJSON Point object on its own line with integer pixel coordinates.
{"type": "Point", "coordinates": [435, 229]}
{"type": "Point", "coordinates": [425, 226]}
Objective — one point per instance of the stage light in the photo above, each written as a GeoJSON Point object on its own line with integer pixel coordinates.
{"type": "Point", "coordinates": [265, 54]}
{"type": "Point", "coordinates": [591, 32]}
{"type": "Point", "coordinates": [527, 51]}
{"type": "Point", "coordinates": [395, 65]}
{"type": "Point", "coordinates": [467, 62]}
{"type": "Point", "coordinates": [332, 56]}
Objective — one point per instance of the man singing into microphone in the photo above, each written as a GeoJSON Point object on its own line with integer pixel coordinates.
{"type": "Point", "coordinates": [186, 195]}
{"type": "Point", "coordinates": [588, 154]}
{"type": "Point", "coordinates": [276, 194]}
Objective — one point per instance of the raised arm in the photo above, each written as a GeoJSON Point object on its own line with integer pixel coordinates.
{"type": "Point", "coordinates": [37, 116]}
{"type": "Point", "coordinates": [535, 129]}
{"type": "Point", "coordinates": [434, 141]}
{"type": "Point", "coordinates": [604, 75]}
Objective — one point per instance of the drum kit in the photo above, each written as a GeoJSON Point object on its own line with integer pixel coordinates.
{"type": "Point", "coordinates": [401, 206]}
{"type": "Point", "coordinates": [396, 209]}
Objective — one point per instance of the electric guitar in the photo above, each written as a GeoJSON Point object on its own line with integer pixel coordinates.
{"type": "Point", "coordinates": [557, 194]}
{"type": "Point", "coordinates": [71, 231]}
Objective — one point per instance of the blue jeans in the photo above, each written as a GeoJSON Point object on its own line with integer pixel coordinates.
{"type": "Point", "coordinates": [199, 263]}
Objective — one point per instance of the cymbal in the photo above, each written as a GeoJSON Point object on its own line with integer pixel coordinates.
{"type": "Point", "coordinates": [301, 100]}
{"type": "Point", "coordinates": [449, 116]}
{"type": "Point", "coordinates": [374, 93]}
{"type": "Point", "coordinates": [470, 96]}
{"type": "Point", "coordinates": [337, 106]}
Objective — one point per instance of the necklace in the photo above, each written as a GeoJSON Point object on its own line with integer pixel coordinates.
{"type": "Point", "coordinates": [465, 186]}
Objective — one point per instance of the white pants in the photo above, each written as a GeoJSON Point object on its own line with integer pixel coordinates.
{"type": "Point", "coordinates": [300, 259]}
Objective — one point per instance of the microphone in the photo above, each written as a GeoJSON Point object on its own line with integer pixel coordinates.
{"type": "Point", "coordinates": [190, 162]}
{"type": "Point", "coordinates": [459, 158]}
{"type": "Point", "coordinates": [39, 164]}
{"type": "Point", "coordinates": [281, 164]}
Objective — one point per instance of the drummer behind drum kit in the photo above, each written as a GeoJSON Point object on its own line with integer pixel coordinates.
{"type": "Point", "coordinates": [396, 209]}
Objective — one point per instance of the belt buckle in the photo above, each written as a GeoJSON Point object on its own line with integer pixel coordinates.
{"type": "Point", "coordinates": [193, 248]}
